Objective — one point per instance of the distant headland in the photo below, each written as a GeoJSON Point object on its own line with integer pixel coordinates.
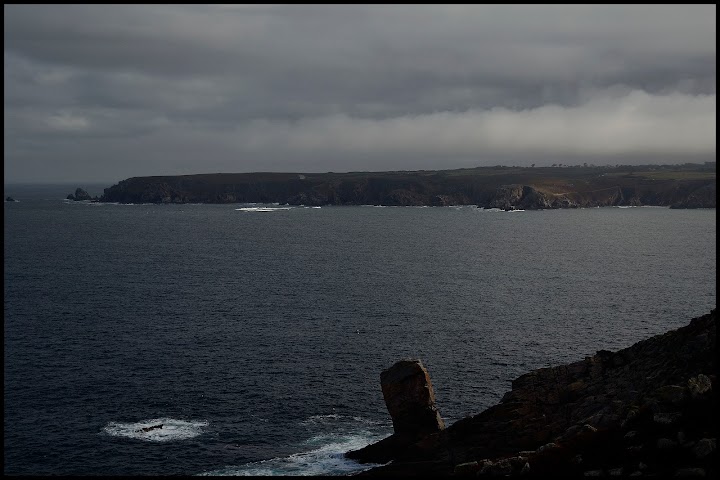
{"type": "Point", "coordinates": [530, 188]}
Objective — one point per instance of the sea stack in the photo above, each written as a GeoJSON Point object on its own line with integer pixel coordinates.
{"type": "Point", "coordinates": [80, 194]}
{"type": "Point", "coordinates": [410, 400]}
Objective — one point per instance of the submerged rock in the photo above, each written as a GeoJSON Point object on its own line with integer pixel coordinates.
{"type": "Point", "coordinates": [147, 429]}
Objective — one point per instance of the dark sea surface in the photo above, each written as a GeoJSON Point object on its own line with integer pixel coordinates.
{"type": "Point", "coordinates": [257, 337]}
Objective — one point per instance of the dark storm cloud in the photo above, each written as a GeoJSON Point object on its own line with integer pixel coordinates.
{"type": "Point", "coordinates": [108, 92]}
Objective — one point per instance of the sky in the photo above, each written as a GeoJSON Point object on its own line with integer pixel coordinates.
{"type": "Point", "coordinates": [100, 93]}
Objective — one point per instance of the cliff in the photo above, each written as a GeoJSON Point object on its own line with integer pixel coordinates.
{"type": "Point", "coordinates": [688, 186]}
{"type": "Point", "coordinates": [646, 410]}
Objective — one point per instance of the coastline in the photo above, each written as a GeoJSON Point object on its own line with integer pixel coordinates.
{"type": "Point", "coordinates": [645, 410]}
{"type": "Point", "coordinates": [506, 188]}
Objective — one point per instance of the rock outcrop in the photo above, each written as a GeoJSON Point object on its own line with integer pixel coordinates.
{"type": "Point", "coordinates": [646, 410]}
{"type": "Point", "coordinates": [410, 400]}
{"type": "Point", "coordinates": [80, 195]}
{"type": "Point", "coordinates": [152, 427]}
{"type": "Point", "coordinates": [526, 197]}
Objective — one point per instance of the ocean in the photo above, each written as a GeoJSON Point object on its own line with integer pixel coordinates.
{"type": "Point", "coordinates": [256, 334]}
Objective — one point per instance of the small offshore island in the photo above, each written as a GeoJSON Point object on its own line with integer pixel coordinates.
{"type": "Point", "coordinates": [646, 410]}
{"type": "Point", "coordinates": [509, 188]}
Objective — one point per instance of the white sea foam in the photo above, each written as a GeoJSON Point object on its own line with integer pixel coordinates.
{"type": "Point", "coordinates": [262, 209]}
{"type": "Point", "coordinates": [516, 210]}
{"type": "Point", "coordinates": [171, 429]}
{"type": "Point", "coordinates": [326, 459]}
{"type": "Point", "coordinates": [336, 418]}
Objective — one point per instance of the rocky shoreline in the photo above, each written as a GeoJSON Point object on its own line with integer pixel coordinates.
{"type": "Point", "coordinates": [647, 410]}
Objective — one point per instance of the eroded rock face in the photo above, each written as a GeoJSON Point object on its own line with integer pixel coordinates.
{"type": "Point", "coordinates": [410, 399]}
{"type": "Point", "coordinates": [509, 197]}
{"type": "Point", "coordinates": [649, 409]}
{"type": "Point", "coordinates": [506, 197]}
{"type": "Point", "coordinates": [703, 197]}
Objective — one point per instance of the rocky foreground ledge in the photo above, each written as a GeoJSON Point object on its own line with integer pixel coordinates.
{"type": "Point", "coordinates": [646, 410]}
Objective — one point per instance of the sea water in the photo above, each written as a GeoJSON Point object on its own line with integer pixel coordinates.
{"type": "Point", "coordinates": [255, 334]}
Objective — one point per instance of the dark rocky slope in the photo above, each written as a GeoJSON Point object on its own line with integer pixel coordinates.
{"type": "Point", "coordinates": [490, 187]}
{"type": "Point", "coordinates": [646, 410]}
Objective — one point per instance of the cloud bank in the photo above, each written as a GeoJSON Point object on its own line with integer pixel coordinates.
{"type": "Point", "coordinates": [107, 92]}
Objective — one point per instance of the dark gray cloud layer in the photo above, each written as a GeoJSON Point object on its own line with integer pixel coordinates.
{"type": "Point", "coordinates": [107, 92]}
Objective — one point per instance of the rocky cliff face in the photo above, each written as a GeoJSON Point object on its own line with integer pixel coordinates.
{"type": "Point", "coordinates": [647, 410]}
{"type": "Point", "coordinates": [703, 197]}
{"type": "Point", "coordinates": [515, 188]}
{"type": "Point", "coordinates": [410, 399]}
{"type": "Point", "coordinates": [526, 197]}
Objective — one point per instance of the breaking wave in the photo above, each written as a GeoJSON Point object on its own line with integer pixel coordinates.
{"type": "Point", "coordinates": [262, 209]}
{"type": "Point", "coordinates": [327, 458]}
{"type": "Point", "coordinates": [157, 429]}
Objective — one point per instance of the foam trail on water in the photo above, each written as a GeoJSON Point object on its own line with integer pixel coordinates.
{"type": "Point", "coordinates": [321, 418]}
{"type": "Point", "coordinates": [334, 418]}
{"type": "Point", "coordinates": [262, 209]}
{"type": "Point", "coordinates": [157, 429]}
